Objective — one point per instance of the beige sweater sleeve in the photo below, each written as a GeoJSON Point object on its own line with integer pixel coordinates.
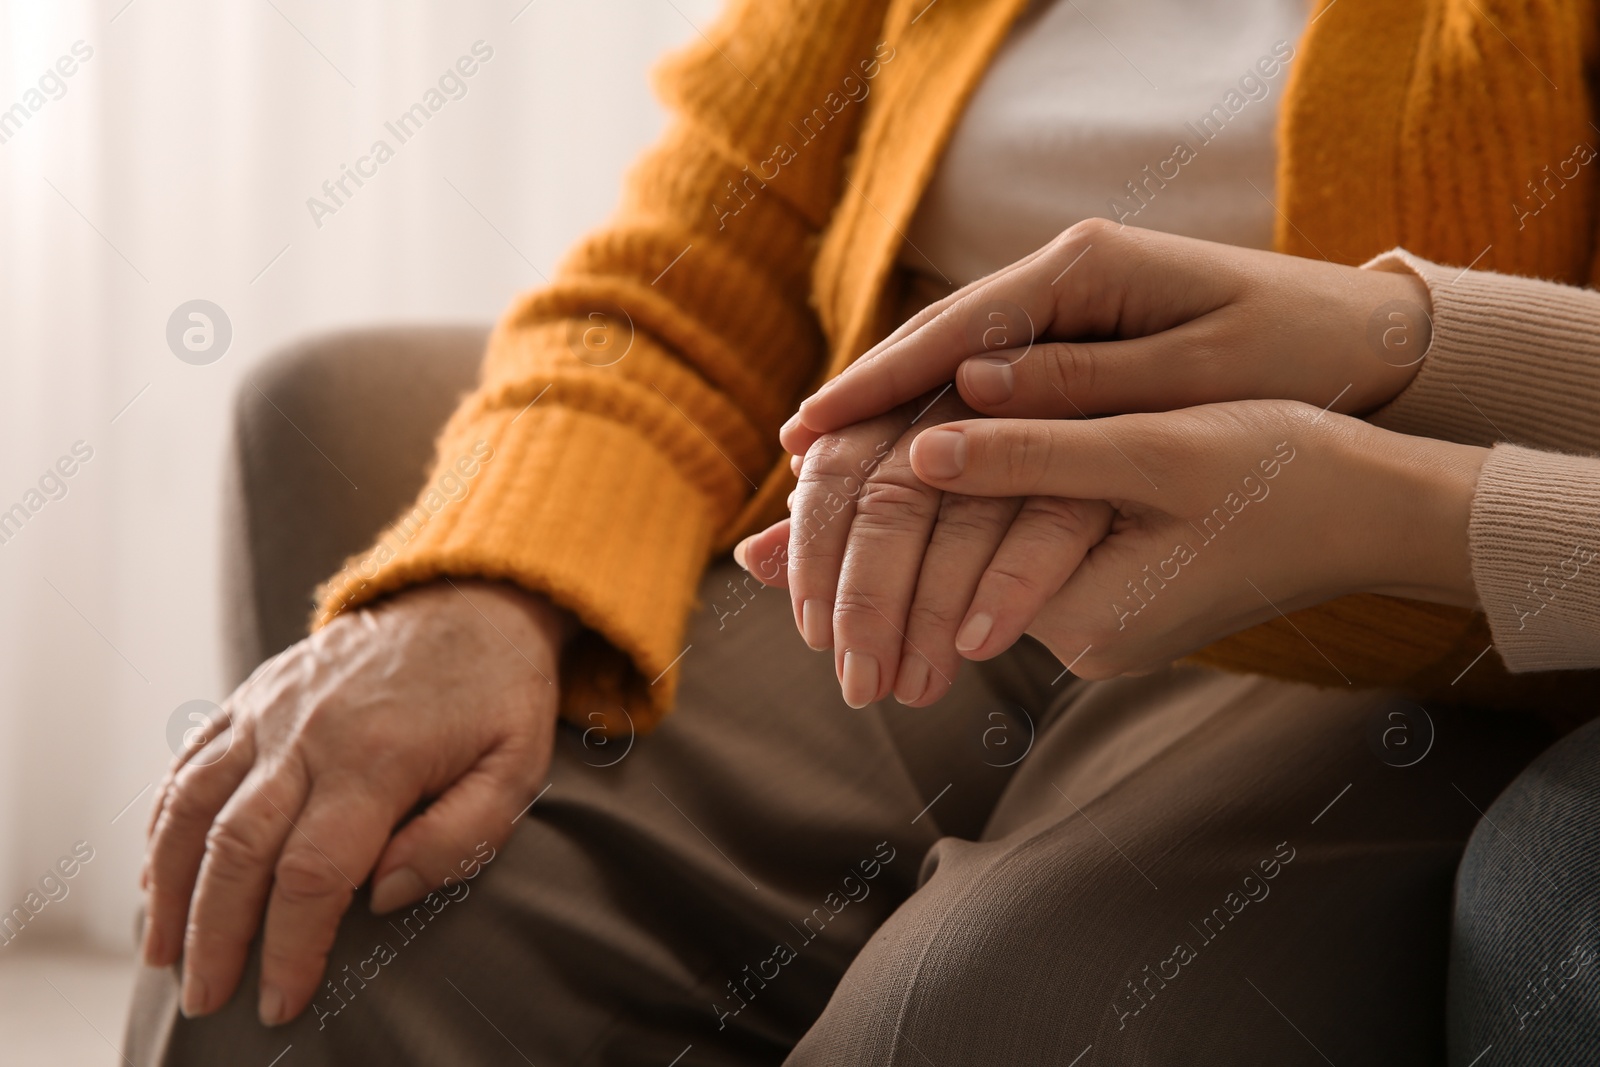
{"type": "Point", "coordinates": [1515, 363]}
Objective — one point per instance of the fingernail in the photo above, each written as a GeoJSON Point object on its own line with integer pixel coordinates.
{"type": "Point", "coordinates": [942, 453]}
{"type": "Point", "coordinates": [860, 681]}
{"type": "Point", "coordinates": [912, 681]}
{"type": "Point", "coordinates": [738, 553]}
{"type": "Point", "coordinates": [816, 624]}
{"type": "Point", "coordinates": [974, 633]}
{"type": "Point", "coordinates": [271, 1006]}
{"type": "Point", "coordinates": [398, 887]}
{"type": "Point", "coordinates": [194, 995]}
{"type": "Point", "coordinates": [989, 379]}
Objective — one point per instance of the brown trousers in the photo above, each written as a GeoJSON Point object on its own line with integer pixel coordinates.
{"type": "Point", "coordinates": [1181, 868]}
{"type": "Point", "coordinates": [1184, 867]}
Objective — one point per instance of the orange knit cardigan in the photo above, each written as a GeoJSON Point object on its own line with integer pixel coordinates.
{"type": "Point", "coordinates": [625, 426]}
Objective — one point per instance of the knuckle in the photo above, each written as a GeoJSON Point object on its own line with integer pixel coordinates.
{"type": "Point", "coordinates": [1007, 582]}
{"type": "Point", "coordinates": [814, 538]}
{"type": "Point", "coordinates": [860, 604]}
{"type": "Point", "coordinates": [1026, 455]}
{"type": "Point", "coordinates": [235, 844]}
{"type": "Point", "coordinates": [347, 731]}
{"type": "Point", "coordinates": [184, 807]}
{"type": "Point", "coordinates": [893, 502]}
{"type": "Point", "coordinates": [835, 475]}
{"type": "Point", "coordinates": [1091, 229]}
{"type": "Point", "coordinates": [203, 940]}
{"type": "Point", "coordinates": [308, 956]}
{"type": "Point", "coordinates": [853, 606]}
{"type": "Point", "coordinates": [949, 318]}
{"type": "Point", "coordinates": [302, 877]}
{"type": "Point", "coordinates": [846, 453]}
{"type": "Point", "coordinates": [937, 615]}
{"type": "Point", "coordinates": [313, 714]}
{"type": "Point", "coordinates": [854, 600]}
{"type": "Point", "coordinates": [967, 519]}
{"type": "Point", "coordinates": [1065, 520]}
{"type": "Point", "coordinates": [1069, 368]}
{"type": "Point", "coordinates": [825, 454]}
{"type": "Point", "coordinates": [808, 521]}
{"type": "Point", "coordinates": [805, 543]}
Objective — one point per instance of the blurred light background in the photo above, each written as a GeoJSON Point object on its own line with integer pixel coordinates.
{"type": "Point", "coordinates": [174, 164]}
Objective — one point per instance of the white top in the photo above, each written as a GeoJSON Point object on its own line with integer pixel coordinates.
{"type": "Point", "coordinates": [1084, 96]}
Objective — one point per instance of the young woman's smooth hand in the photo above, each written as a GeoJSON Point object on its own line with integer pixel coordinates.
{"type": "Point", "coordinates": [1223, 516]}
{"type": "Point", "coordinates": [1109, 320]}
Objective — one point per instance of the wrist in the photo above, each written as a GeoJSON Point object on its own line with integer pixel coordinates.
{"type": "Point", "coordinates": [1395, 312]}
{"type": "Point", "coordinates": [530, 622]}
{"type": "Point", "coordinates": [535, 610]}
{"type": "Point", "coordinates": [1416, 514]}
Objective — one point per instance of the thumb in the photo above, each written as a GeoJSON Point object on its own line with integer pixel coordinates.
{"type": "Point", "coordinates": [1128, 457]}
{"type": "Point", "coordinates": [458, 833]}
{"type": "Point", "coordinates": [1070, 379]}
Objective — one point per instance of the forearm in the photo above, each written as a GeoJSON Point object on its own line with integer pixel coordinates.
{"type": "Point", "coordinates": [1415, 516]}
{"type": "Point", "coordinates": [1512, 532]}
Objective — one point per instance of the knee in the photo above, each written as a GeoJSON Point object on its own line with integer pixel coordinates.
{"type": "Point", "coordinates": [1525, 947]}
{"type": "Point", "coordinates": [975, 962]}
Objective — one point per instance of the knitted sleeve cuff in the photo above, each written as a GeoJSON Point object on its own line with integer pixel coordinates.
{"type": "Point", "coordinates": [1535, 543]}
{"type": "Point", "coordinates": [573, 505]}
{"type": "Point", "coordinates": [1513, 359]}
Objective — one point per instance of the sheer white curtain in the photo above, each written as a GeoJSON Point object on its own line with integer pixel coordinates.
{"type": "Point", "coordinates": [154, 152]}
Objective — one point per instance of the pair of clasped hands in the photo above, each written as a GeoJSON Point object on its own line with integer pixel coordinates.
{"type": "Point", "coordinates": [1147, 447]}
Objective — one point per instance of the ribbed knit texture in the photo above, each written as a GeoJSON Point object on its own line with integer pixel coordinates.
{"type": "Point", "coordinates": [1513, 360]}
{"type": "Point", "coordinates": [1535, 540]}
{"type": "Point", "coordinates": [660, 363]}
{"type": "Point", "coordinates": [1517, 362]}
{"type": "Point", "coordinates": [1403, 124]}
